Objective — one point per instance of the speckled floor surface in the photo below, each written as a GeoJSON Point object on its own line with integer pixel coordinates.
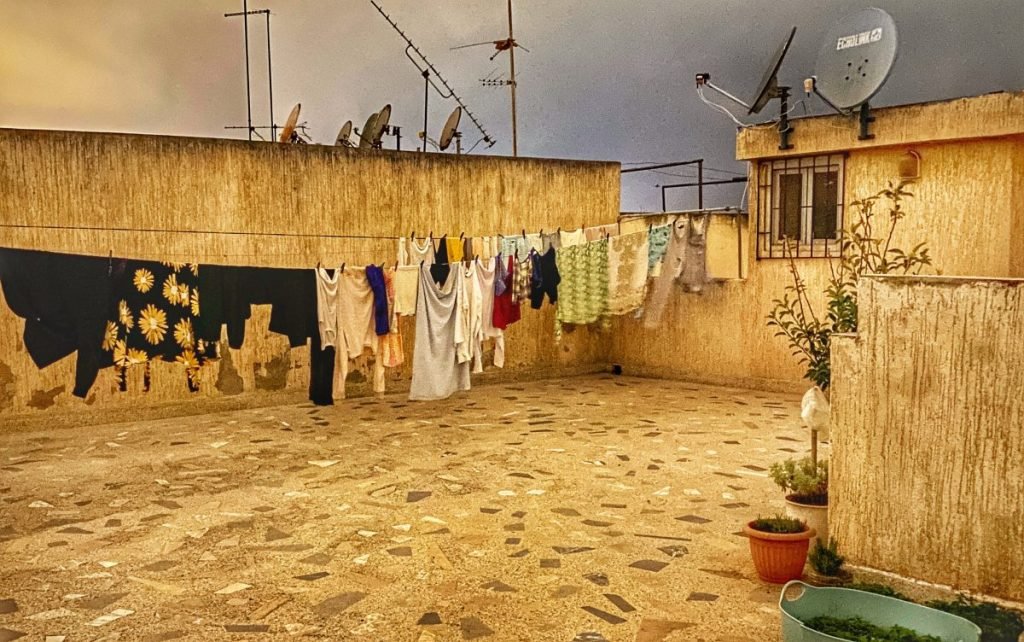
{"type": "Point", "coordinates": [594, 508]}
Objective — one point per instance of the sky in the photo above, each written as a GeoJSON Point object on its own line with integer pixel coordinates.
{"type": "Point", "coordinates": [603, 79]}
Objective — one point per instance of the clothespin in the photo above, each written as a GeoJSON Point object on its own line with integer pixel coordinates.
{"type": "Point", "coordinates": [412, 235]}
{"type": "Point", "coordinates": [462, 235]}
{"type": "Point", "coordinates": [342, 268]}
{"type": "Point", "coordinates": [431, 235]}
{"type": "Point", "coordinates": [559, 229]}
{"type": "Point", "coordinates": [650, 227]}
{"type": "Point", "coordinates": [541, 233]}
{"type": "Point", "coordinates": [524, 232]}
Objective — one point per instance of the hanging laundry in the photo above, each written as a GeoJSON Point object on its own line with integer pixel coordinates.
{"type": "Point", "coordinates": [407, 283]}
{"type": "Point", "coordinates": [675, 256]}
{"type": "Point", "coordinates": [506, 307]}
{"type": "Point", "coordinates": [494, 249]}
{"type": "Point", "coordinates": [536, 242]}
{"type": "Point", "coordinates": [695, 275]}
{"type": "Point", "coordinates": [357, 330]}
{"type": "Point", "coordinates": [456, 250]}
{"type": "Point", "coordinates": [467, 249]}
{"type": "Point", "coordinates": [392, 352]}
{"type": "Point", "coordinates": [486, 273]}
{"type": "Point", "coordinates": [657, 245]}
{"type": "Point", "coordinates": [327, 306]}
{"type": "Point", "coordinates": [440, 269]}
{"type": "Point", "coordinates": [545, 279]}
{"type": "Point", "coordinates": [501, 273]}
{"type": "Point", "coordinates": [627, 271]}
{"type": "Point", "coordinates": [522, 279]}
{"type": "Point", "coordinates": [571, 238]}
{"type": "Point", "coordinates": [229, 292]}
{"type": "Point", "coordinates": [583, 291]}
{"type": "Point", "coordinates": [153, 317]}
{"type": "Point", "coordinates": [414, 252]}
{"type": "Point", "coordinates": [468, 315]}
{"type": "Point", "coordinates": [479, 249]}
{"type": "Point", "coordinates": [601, 231]}
{"type": "Point", "coordinates": [550, 241]}
{"type": "Point", "coordinates": [436, 373]}
{"type": "Point", "coordinates": [517, 246]}
{"type": "Point", "coordinates": [64, 300]}
{"type": "Point", "coordinates": [375, 277]}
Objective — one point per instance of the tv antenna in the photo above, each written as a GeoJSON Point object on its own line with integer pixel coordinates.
{"type": "Point", "coordinates": [854, 62]}
{"type": "Point", "coordinates": [767, 90]}
{"type": "Point", "coordinates": [451, 131]}
{"type": "Point", "coordinates": [507, 44]}
{"type": "Point", "coordinates": [245, 13]}
{"type": "Point", "coordinates": [429, 72]}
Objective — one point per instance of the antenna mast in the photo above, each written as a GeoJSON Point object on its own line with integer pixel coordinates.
{"type": "Point", "coordinates": [512, 80]}
{"type": "Point", "coordinates": [245, 13]}
{"type": "Point", "coordinates": [428, 70]}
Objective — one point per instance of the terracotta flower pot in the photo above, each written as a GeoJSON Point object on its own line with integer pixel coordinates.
{"type": "Point", "coordinates": [778, 557]}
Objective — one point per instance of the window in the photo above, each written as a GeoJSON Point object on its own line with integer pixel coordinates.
{"type": "Point", "coordinates": [800, 204]}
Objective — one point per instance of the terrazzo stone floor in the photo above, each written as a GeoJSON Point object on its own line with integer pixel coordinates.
{"type": "Point", "coordinates": [587, 509]}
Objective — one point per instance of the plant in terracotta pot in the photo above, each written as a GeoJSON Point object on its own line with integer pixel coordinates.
{"type": "Point", "coordinates": [805, 483]}
{"type": "Point", "coordinates": [778, 546]}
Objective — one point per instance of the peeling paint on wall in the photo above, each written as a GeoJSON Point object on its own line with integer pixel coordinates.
{"type": "Point", "coordinates": [6, 386]}
{"type": "Point", "coordinates": [272, 375]}
{"type": "Point", "coordinates": [42, 399]}
{"type": "Point", "coordinates": [228, 380]}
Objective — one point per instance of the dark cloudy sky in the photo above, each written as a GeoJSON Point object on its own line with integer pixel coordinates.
{"type": "Point", "coordinates": [604, 79]}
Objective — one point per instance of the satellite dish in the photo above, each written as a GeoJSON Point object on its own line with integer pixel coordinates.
{"type": "Point", "coordinates": [768, 88]}
{"type": "Point", "coordinates": [289, 126]}
{"type": "Point", "coordinates": [856, 58]}
{"type": "Point", "coordinates": [366, 135]}
{"type": "Point", "coordinates": [343, 134]}
{"type": "Point", "coordinates": [450, 127]}
{"type": "Point", "coordinates": [383, 117]}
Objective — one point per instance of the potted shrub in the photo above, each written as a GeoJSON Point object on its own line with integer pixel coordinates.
{"type": "Point", "coordinates": [778, 546]}
{"type": "Point", "coordinates": [805, 483]}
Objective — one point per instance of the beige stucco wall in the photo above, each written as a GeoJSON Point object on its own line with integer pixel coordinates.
{"type": "Point", "coordinates": [928, 432]}
{"type": "Point", "coordinates": [153, 182]}
{"type": "Point", "coordinates": [968, 206]}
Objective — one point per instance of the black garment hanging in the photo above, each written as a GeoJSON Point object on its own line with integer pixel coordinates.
{"type": "Point", "coordinates": [440, 269]}
{"type": "Point", "coordinates": [544, 279]}
{"type": "Point", "coordinates": [152, 313]}
{"type": "Point", "coordinates": [321, 372]}
{"type": "Point", "coordinates": [64, 300]}
{"type": "Point", "coordinates": [230, 292]}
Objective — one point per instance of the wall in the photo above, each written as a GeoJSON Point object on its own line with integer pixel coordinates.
{"type": "Point", "coordinates": [968, 206]}
{"type": "Point", "coordinates": [927, 446]}
{"type": "Point", "coordinates": [158, 183]}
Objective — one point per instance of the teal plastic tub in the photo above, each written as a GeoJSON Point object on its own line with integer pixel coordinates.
{"type": "Point", "coordinates": [800, 602]}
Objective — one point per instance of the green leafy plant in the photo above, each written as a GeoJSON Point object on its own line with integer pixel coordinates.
{"type": "Point", "coordinates": [778, 524]}
{"type": "Point", "coordinates": [825, 558]}
{"type": "Point", "coordinates": [880, 589]}
{"type": "Point", "coordinates": [860, 630]}
{"type": "Point", "coordinates": [805, 480]}
{"type": "Point", "coordinates": [866, 248]}
{"type": "Point", "coordinates": [997, 624]}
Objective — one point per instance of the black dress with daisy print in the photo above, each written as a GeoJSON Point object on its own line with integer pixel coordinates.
{"type": "Point", "coordinates": [155, 306]}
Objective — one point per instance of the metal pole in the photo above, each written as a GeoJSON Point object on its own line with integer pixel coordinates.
{"type": "Point", "coordinates": [512, 84]}
{"type": "Point", "coordinates": [248, 95]}
{"type": "Point", "coordinates": [426, 99]}
{"type": "Point", "coordinates": [270, 84]}
{"type": "Point", "coordinates": [700, 184]}
{"type": "Point", "coordinates": [663, 208]}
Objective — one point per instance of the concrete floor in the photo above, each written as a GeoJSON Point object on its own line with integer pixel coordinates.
{"type": "Point", "coordinates": [594, 508]}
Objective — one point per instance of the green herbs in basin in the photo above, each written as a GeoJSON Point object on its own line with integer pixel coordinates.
{"type": "Point", "coordinates": [778, 525]}
{"type": "Point", "coordinates": [803, 480]}
{"type": "Point", "coordinates": [860, 630]}
{"type": "Point", "coordinates": [997, 624]}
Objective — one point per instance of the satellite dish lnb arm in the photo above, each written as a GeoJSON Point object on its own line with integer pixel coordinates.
{"type": "Point", "coordinates": [811, 86]}
{"type": "Point", "coordinates": [704, 80]}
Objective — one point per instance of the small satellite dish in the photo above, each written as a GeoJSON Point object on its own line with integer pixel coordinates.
{"type": "Point", "coordinates": [450, 127]}
{"type": "Point", "coordinates": [856, 58]}
{"type": "Point", "coordinates": [366, 135]}
{"type": "Point", "coordinates": [343, 134]}
{"type": "Point", "coordinates": [768, 88]}
{"type": "Point", "coordinates": [289, 126]}
{"type": "Point", "coordinates": [379, 125]}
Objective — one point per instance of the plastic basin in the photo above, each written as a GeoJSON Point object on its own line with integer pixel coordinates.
{"type": "Point", "coordinates": [880, 610]}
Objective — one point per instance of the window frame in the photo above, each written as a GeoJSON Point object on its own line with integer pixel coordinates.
{"type": "Point", "coordinates": [770, 242]}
